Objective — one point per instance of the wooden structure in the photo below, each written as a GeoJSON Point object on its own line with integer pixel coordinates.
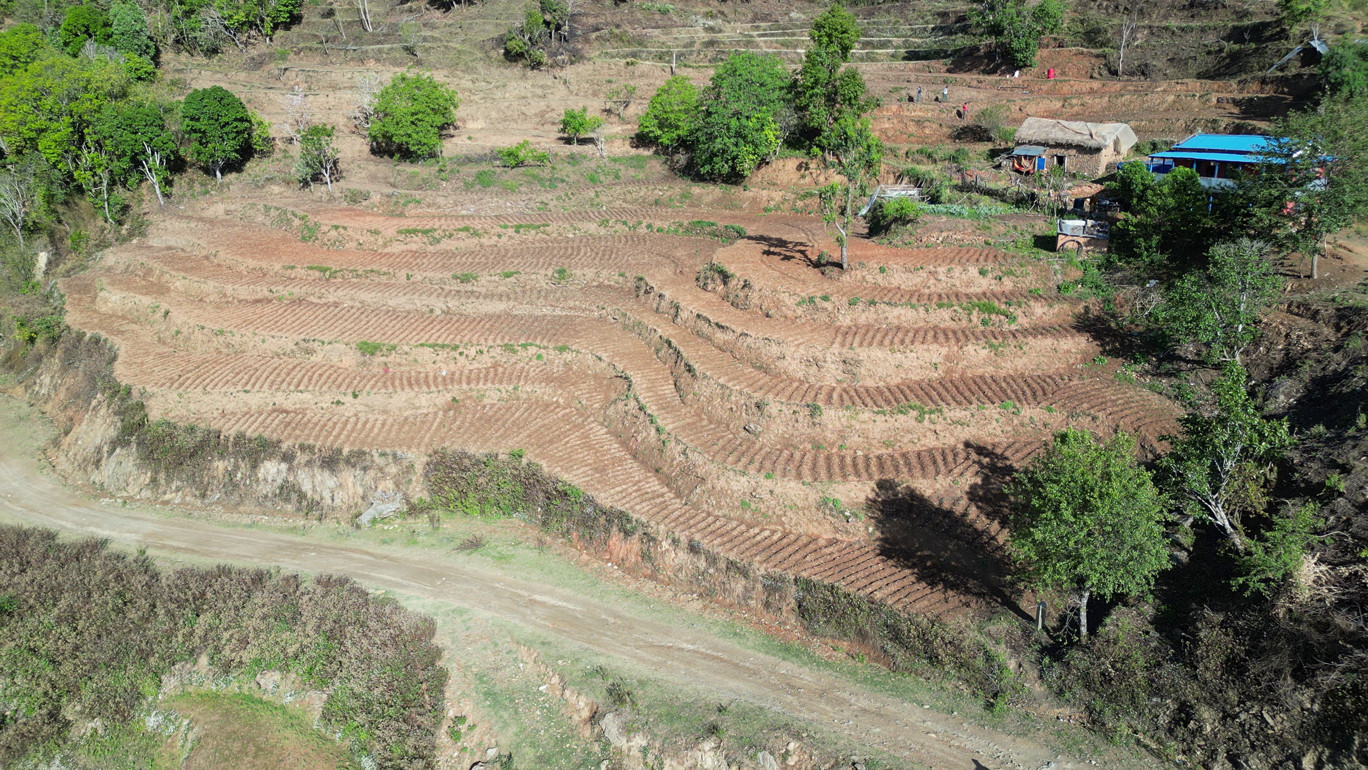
{"type": "Point", "coordinates": [1089, 149]}
{"type": "Point", "coordinates": [1085, 236]}
{"type": "Point", "coordinates": [887, 191]}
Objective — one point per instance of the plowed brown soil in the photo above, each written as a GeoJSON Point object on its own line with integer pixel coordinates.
{"type": "Point", "coordinates": [369, 338]}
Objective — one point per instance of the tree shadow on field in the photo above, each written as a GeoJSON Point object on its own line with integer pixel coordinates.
{"type": "Point", "coordinates": [785, 249]}
{"type": "Point", "coordinates": [1110, 334]}
{"type": "Point", "coordinates": [951, 545]}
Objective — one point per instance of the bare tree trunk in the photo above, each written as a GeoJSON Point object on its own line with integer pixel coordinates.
{"type": "Point", "coordinates": [156, 184]}
{"type": "Point", "coordinates": [1128, 25]}
{"type": "Point", "coordinates": [674, 59]}
{"type": "Point", "coordinates": [1083, 614]}
{"type": "Point", "coordinates": [844, 228]}
{"type": "Point", "coordinates": [363, 7]}
{"type": "Point", "coordinates": [218, 170]}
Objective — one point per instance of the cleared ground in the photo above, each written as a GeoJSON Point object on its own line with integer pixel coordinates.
{"type": "Point", "coordinates": [683, 653]}
{"type": "Point", "coordinates": [851, 428]}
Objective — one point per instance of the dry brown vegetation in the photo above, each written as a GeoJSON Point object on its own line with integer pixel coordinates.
{"type": "Point", "coordinates": [125, 623]}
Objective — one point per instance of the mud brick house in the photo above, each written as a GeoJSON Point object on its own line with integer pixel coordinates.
{"type": "Point", "coordinates": [1090, 149]}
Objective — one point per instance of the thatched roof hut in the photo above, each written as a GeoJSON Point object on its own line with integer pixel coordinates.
{"type": "Point", "coordinates": [1074, 133]}
{"type": "Point", "coordinates": [1080, 147]}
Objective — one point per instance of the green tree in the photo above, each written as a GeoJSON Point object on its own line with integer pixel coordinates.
{"type": "Point", "coordinates": [671, 114]}
{"type": "Point", "coordinates": [1315, 182]}
{"type": "Point", "coordinates": [1221, 306]}
{"type": "Point", "coordinates": [527, 41]}
{"type": "Point", "coordinates": [47, 107]}
{"type": "Point", "coordinates": [1224, 458]}
{"type": "Point", "coordinates": [128, 30]}
{"type": "Point", "coordinates": [219, 128]}
{"type": "Point", "coordinates": [1132, 183]}
{"type": "Point", "coordinates": [577, 123]}
{"type": "Point", "coordinates": [824, 94]}
{"type": "Point", "coordinates": [857, 155]}
{"type": "Point", "coordinates": [20, 45]}
{"type": "Point", "coordinates": [240, 18]}
{"type": "Point", "coordinates": [1344, 70]}
{"type": "Point", "coordinates": [1170, 225]}
{"type": "Point", "coordinates": [82, 23]}
{"type": "Point", "coordinates": [1087, 518]}
{"type": "Point", "coordinates": [136, 144]}
{"type": "Point", "coordinates": [744, 116]}
{"type": "Point", "coordinates": [317, 156]}
{"type": "Point", "coordinates": [1015, 30]}
{"type": "Point", "coordinates": [410, 114]}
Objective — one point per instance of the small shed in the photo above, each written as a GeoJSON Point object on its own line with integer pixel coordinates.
{"type": "Point", "coordinates": [889, 191]}
{"type": "Point", "coordinates": [1076, 147]}
{"type": "Point", "coordinates": [1085, 236]}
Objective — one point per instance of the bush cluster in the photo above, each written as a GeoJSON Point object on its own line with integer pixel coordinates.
{"type": "Point", "coordinates": [893, 213]}
{"type": "Point", "coordinates": [88, 631]}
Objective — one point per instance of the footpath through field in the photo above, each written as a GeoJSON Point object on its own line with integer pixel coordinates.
{"type": "Point", "coordinates": [688, 656]}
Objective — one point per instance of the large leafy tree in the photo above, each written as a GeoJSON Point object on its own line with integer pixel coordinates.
{"type": "Point", "coordinates": [128, 30]}
{"type": "Point", "coordinates": [82, 23]}
{"type": "Point", "coordinates": [1014, 29]}
{"type": "Point", "coordinates": [1224, 456]}
{"type": "Point", "coordinates": [824, 94]}
{"type": "Point", "coordinates": [19, 47]}
{"type": "Point", "coordinates": [1315, 182]}
{"type": "Point", "coordinates": [857, 155]}
{"type": "Point", "coordinates": [137, 145]}
{"type": "Point", "coordinates": [409, 115]}
{"type": "Point", "coordinates": [47, 107]}
{"type": "Point", "coordinates": [1170, 225]}
{"type": "Point", "coordinates": [671, 114]}
{"type": "Point", "coordinates": [1221, 306]}
{"type": "Point", "coordinates": [219, 128]}
{"type": "Point", "coordinates": [1087, 518]}
{"type": "Point", "coordinates": [744, 116]}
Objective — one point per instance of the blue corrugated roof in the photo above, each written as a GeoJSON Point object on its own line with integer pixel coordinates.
{"type": "Point", "coordinates": [1222, 157]}
{"type": "Point", "coordinates": [1244, 143]}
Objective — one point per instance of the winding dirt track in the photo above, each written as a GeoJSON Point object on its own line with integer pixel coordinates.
{"type": "Point", "coordinates": [685, 656]}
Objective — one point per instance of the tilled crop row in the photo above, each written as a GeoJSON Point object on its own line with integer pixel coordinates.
{"type": "Point", "coordinates": [255, 290]}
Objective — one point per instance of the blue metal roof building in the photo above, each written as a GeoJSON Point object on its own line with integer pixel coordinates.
{"type": "Point", "coordinates": [1215, 157]}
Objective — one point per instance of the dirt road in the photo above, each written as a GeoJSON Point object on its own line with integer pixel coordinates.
{"type": "Point", "coordinates": [686, 656]}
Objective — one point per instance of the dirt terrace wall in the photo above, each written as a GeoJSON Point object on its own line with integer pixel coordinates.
{"type": "Point", "coordinates": [106, 440]}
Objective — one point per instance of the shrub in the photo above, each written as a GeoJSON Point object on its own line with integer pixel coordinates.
{"type": "Point", "coordinates": [893, 213]}
{"type": "Point", "coordinates": [409, 116]}
{"type": "Point", "coordinates": [577, 123]}
{"type": "Point", "coordinates": [219, 128]}
{"type": "Point", "coordinates": [739, 123]}
{"type": "Point", "coordinates": [524, 154]}
{"type": "Point", "coordinates": [991, 120]}
{"type": "Point", "coordinates": [671, 115]}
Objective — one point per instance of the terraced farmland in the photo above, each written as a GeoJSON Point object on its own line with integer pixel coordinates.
{"type": "Point", "coordinates": [851, 428]}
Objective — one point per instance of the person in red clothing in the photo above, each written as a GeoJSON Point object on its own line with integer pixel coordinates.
{"type": "Point", "coordinates": [964, 111]}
